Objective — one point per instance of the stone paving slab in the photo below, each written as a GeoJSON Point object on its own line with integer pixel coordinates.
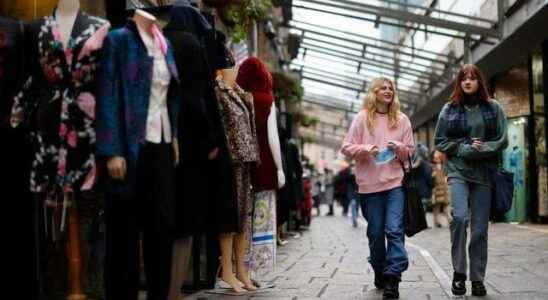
{"type": "Point", "coordinates": [329, 261]}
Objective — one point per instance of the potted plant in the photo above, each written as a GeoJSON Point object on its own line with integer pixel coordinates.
{"type": "Point", "coordinates": [287, 88]}
{"type": "Point", "coordinates": [237, 15]}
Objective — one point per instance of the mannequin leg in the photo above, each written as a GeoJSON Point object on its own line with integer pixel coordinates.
{"type": "Point", "coordinates": [226, 241]}
{"type": "Point", "coordinates": [241, 244]}
{"type": "Point", "coordinates": [181, 261]}
{"type": "Point", "coordinates": [74, 255]}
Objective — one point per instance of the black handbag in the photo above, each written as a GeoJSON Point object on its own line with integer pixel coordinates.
{"type": "Point", "coordinates": [415, 217]}
{"type": "Point", "coordinates": [503, 191]}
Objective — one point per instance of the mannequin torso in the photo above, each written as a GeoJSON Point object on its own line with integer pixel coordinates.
{"type": "Point", "coordinates": [144, 22]}
{"type": "Point", "coordinates": [228, 76]}
{"type": "Point", "coordinates": [66, 13]}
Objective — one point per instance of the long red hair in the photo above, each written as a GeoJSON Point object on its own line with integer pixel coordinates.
{"type": "Point", "coordinates": [474, 72]}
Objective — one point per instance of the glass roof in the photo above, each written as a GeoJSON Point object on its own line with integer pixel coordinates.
{"type": "Point", "coordinates": [339, 51]}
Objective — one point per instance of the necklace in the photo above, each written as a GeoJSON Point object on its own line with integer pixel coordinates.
{"type": "Point", "coordinates": [471, 107]}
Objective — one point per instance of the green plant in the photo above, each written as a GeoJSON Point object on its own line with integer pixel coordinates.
{"type": "Point", "coordinates": [308, 121]}
{"type": "Point", "coordinates": [241, 14]}
{"type": "Point", "coordinates": [287, 88]}
{"type": "Point", "coordinates": [308, 139]}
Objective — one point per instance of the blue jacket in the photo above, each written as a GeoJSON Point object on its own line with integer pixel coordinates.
{"type": "Point", "coordinates": [123, 84]}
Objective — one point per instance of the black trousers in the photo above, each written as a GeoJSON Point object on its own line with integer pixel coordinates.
{"type": "Point", "coordinates": [146, 214]}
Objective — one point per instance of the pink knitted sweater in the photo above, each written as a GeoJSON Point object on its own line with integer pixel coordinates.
{"type": "Point", "coordinates": [372, 178]}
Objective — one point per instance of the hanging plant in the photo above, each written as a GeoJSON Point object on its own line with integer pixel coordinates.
{"type": "Point", "coordinates": [309, 121]}
{"type": "Point", "coordinates": [287, 88]}
{"type": "Point", "coordinates": [237, 15]}
{"type": "Point", "coordinates": [308, 139]}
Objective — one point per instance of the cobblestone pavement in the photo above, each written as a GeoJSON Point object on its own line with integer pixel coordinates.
{"type": "Point", "coordinates": [329, 261]}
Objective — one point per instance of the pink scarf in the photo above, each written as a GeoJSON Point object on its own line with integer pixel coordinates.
{"type": "Point", "coordinates": [159, 39]}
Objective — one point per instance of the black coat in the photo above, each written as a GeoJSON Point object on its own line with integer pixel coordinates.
{"type": "Point", "coordinates": [15, 154]}
{"type": "Point", "coordinates": [12, 64]}
{"type": "Point", "coordinates": [292, 192]}
{"type": "Point", "coordinates": [205, 195]}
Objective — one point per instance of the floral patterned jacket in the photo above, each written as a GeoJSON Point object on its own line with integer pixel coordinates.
{"type": "Point", "coordinates": [238, 116]}
{"type": "Point", "coordinates": [57, 103]}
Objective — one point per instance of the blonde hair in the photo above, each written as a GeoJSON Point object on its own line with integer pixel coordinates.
{"type": "Point", "coordinates": [370, 107]}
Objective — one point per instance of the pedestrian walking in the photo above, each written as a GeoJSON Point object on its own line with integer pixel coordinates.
{"type": "Point", "coordinates": [317, 192]}
{"type": "Point", "coordinates": [379, 140]}
{"type": "Point", "coordinates": [329, 191]}
{"type": "Point", "coordinates": [472, 133]}
{"type": "Point", "coordinates": [440, 194]}
{"type": "Point", "coordinates": [341, 188]}
{"type": "Point", "coordinates": [352, 194]}
{"type": "Point", "coordinates": [423, 172]}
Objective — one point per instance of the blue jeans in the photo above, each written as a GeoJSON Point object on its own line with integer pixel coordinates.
{"type": "Point", "coordinates": [354, 211]}
{"type": "Point", "coordinates": [476, 198]}
{"type": "Point", "coordinates": [384, 214]}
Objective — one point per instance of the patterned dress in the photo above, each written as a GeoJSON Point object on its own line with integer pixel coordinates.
{"type": "Point", "coordinates": [236, 107]}
{"type": "Point", "coordinates": [57, 104]}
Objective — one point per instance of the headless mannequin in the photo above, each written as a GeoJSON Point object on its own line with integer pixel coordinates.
{"type": "Point", "coordinates": [116, 165]}
{"type": "Point", "coordinates": [274, 145]}
{"type": "Point", "coordinates": [65, 15]}
{"type": "Point", "coordinates": [275, 149]}
{"type": "Point", "coordinates": [231, 242]}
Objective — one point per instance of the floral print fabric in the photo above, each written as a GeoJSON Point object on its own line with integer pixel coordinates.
{"type": "Point", "coordinates": [60, 94]}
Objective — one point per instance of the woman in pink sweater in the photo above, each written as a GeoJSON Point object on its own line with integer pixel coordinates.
{"type": "Point", "coordinates": [381, 131]}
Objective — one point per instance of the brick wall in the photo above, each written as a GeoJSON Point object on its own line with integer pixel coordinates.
{"type": "Point", "coordinates": [512, 91]}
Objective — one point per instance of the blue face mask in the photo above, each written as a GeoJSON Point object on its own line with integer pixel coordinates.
{"type": "Point", "coordinates": [384, 157]}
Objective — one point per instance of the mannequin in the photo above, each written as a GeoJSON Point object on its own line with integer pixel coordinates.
{"type": "Point", "coordinates": [275, 149]}
{"type": "Point", "coordinates": [144, 21]}
{"type": "Point", "coordinates": [274, 144]}
{"type": "Point", "coordinates": [140, 148]}
{"type": "Point", "coordinates": [117, 165]}
{"type": "Point", "coordinates": [66, 13]}
{"type": "Point", "coordinates": [199, 147]}
{"type": "Point", "coordinates": [233, 214]}
{"type": "Point", "coordinates": [268, 176]}
{"type": "Point", "coordinates": [59, 105]}
{"type": "Point", "coordinates": [234, 243]}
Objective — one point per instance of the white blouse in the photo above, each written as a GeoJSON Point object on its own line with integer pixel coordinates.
{"type": "Point", "coordinates": [158, 118]}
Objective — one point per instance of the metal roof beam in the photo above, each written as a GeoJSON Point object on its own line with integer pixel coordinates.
{"type": "Point", "coordinates": [430, 9]}
{"type": "Point", "coordinates": [331, 102]}
{"type": "Point", "coordinates": [369, 62]}
{"type": "Point", "coordinates": [405, 16]}
{"type": "Point", "coordinates": [339, 85]}
{"type": "Point", "coordinates": [366, 77]}
{"type": "Point", "coordinates": [335, 107]}
{"type": "Point", "coordinates": [358, 58]}
{"type": "Point", "coordinates": [395, 24]}
{"type": "Point", "coordinates": [413, 49]}
{"type": "Point", "coordinates": [388, 49]}
{"type": "Point", "coordinates": [395, 51]}
{"type": "Point", "coordinates": [349, 79]}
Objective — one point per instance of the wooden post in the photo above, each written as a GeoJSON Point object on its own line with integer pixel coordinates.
{"type": "Point", "coordinates": [73, 254]}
